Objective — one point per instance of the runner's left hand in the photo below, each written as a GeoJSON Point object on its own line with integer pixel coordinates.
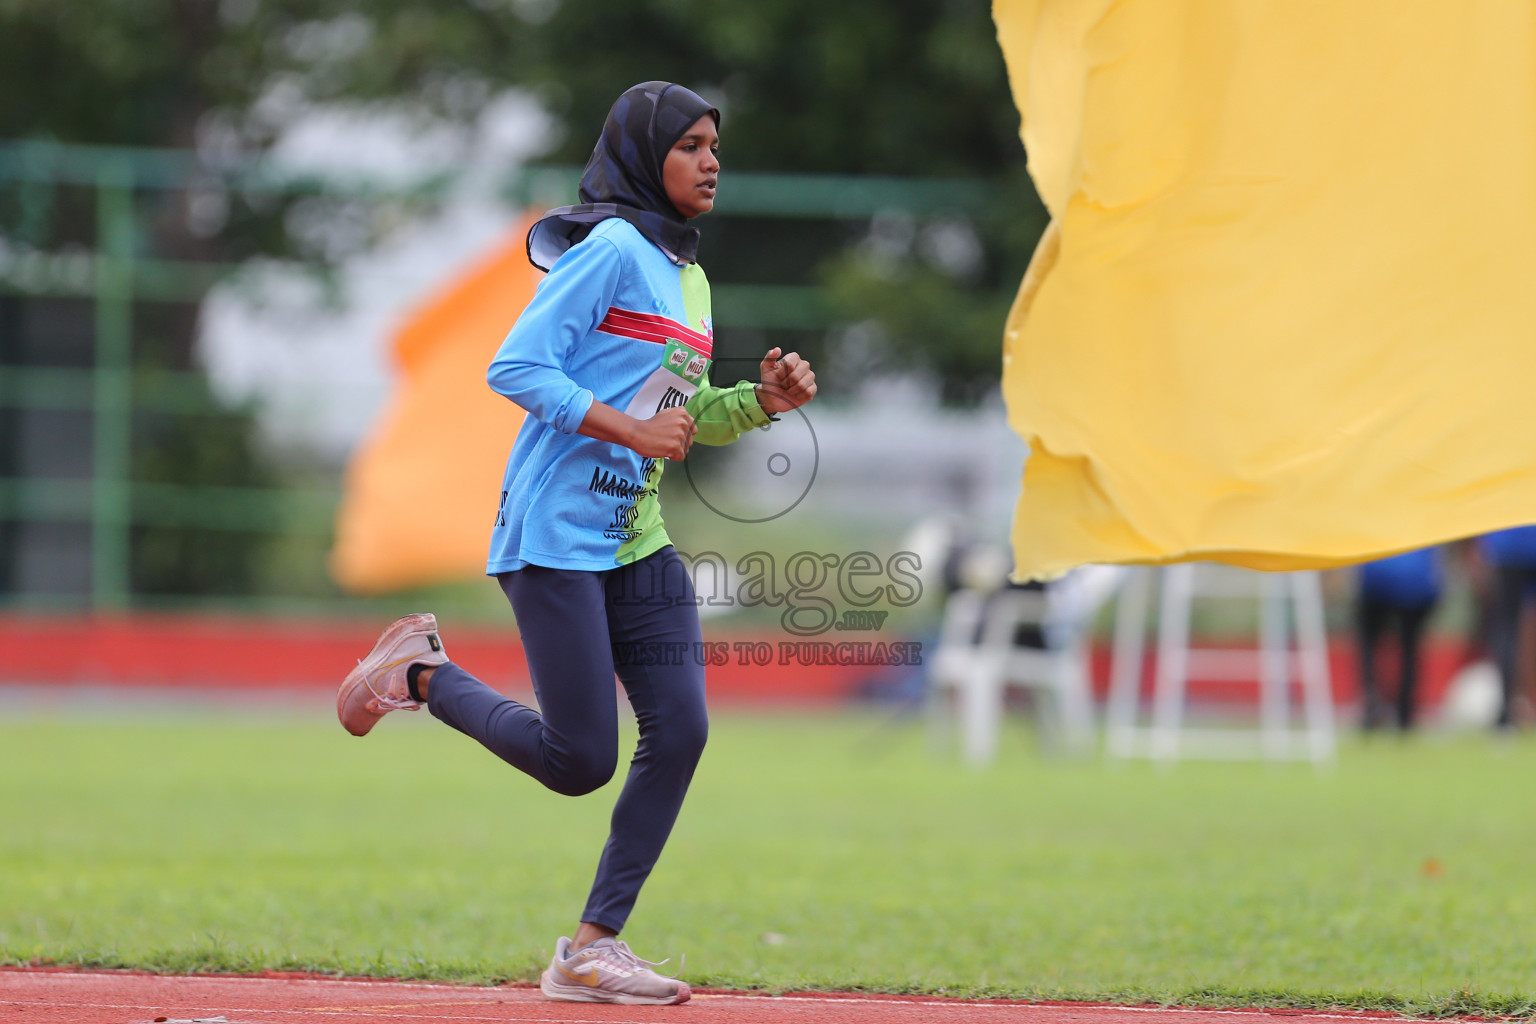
{"type": "Point", "coordinates": [787, 382]}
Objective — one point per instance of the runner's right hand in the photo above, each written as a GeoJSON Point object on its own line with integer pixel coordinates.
{"type": "Point", "coordinates": [667, 435]}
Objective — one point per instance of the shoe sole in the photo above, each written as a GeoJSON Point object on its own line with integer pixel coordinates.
{"type": "Point", "coordinates": [363, 720]}
{"type": "Point", "coordinates": [557, 992]}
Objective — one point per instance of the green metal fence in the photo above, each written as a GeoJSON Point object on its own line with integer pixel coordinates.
{"type": "Point", "coordinates": [114, 275]}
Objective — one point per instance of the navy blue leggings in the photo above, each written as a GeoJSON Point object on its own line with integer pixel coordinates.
{"type": "Point", "coordinates": [579, 630]}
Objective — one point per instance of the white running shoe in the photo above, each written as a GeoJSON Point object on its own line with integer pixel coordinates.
{"type": "Point", "coordinates": [377, 686]}
{"type": "Point", "coordinates": [606, 971]}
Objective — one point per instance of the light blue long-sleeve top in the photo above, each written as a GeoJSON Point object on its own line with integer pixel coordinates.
{"type": "Point", "coordinates": [615, 321]}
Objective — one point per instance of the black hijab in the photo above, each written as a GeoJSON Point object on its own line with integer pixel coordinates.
{"type": "Point", "coordinates": [623, 176]}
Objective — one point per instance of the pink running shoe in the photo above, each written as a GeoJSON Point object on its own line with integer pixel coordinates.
{"type": "Point", "coordinates": [377, 686]}
{"type": "Point", "coordinates": [607, 972]}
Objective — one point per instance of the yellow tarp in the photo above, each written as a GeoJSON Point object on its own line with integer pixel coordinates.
{"type": "Point", "coordinates": [421, 493]}
{"type": "Point", "coordinates": [1285, 316]}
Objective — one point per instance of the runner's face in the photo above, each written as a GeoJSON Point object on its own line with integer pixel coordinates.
{"type": "Point", "coordinates": [691, 168]}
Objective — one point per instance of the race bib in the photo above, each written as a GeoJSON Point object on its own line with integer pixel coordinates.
{"type": "Point", "coordinates": [672, 383]}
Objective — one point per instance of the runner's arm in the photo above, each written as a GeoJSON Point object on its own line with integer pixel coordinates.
{"type": "Point", "coordinates": [529, 368]}
{"type": "Point", "coordinates": [724, 414]}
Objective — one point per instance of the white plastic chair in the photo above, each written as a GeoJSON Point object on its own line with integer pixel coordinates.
{"type": "Point", "coordinates": [977, 660]}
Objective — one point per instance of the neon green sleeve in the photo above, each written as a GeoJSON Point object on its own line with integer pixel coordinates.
{"type": "Point", "coordinates": [724, 414]}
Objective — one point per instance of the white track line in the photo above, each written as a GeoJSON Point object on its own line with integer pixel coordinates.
{"type": "Point", "coordinates": [361, 1011]}
{"type": "Point", "coordinates": [830, 1000]}
{"type": "Point", "coordinates": [1070, 1007]}
{"type": "Point", "coordinates": [246, 979]}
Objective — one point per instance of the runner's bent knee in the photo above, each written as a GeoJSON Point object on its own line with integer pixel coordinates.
{"type": "Point", "coordinates": [580, 773]}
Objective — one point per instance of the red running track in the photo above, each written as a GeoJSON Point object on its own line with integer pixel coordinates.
{"type": "Point", "coordinates": [69, 997]}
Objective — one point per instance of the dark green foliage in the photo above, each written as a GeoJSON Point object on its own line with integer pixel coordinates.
{"type": "Point", "coordinates": [878, 87]}
{"type": "Point", "coordinates": [915, 87]}
{"type": "Point", "coordinates": [213, 450]}
{"type": "Point", "coordinates": [866, 86]}
{"type": "Point", "coordinates": [932, 312]}
{"type": "Point", "coordinates": [861, 87]}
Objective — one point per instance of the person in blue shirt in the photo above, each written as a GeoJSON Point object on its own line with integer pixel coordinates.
{"type": "Point", "coordinates": [1512, 556]}
{"type": "Point", "coordinates": [1395, 594]}
{"type": "Point", "coordinates": [611, 361]}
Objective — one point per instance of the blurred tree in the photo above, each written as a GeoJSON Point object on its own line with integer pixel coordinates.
{"type": "Point", "coordinates": [888, 87]}
{"type": "Point", "coordinates": [895, 87]}
{"type": "Point", "coordinates": [177, 560]}
{"type": "Point", "coordinates": [932, 297]}
{"type": "Point", "coordinates": [144, 73]}
{"type": "Point", "coordinates": [913, 87]}
{"type": "Point", "coordinates": [909, 87]}
{"type": "Point", "coordinates": [863, 86]}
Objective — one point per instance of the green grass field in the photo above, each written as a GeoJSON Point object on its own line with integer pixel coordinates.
{"type": "Point", "coordinates": [824, 852]}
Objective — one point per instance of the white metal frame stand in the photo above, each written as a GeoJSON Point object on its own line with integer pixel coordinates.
{"type": "Point", "coordinates": [1274, 665]}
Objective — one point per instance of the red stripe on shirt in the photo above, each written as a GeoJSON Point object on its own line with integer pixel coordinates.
{"type": "Point", "coordinates": [650, 327]}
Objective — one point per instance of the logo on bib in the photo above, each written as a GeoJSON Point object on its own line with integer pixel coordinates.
{"type": "Point", "coordinates": [684, 361]}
